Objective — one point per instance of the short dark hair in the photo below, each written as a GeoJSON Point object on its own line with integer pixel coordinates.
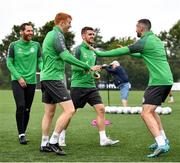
{"type": "Point", "coordinates": [86, 29]}
{"type": "Point", "coordinates": [23, 26]}
{"type": "Point", "coordinates": [146, 22]}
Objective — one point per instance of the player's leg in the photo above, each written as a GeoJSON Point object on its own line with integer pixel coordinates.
{"type": "Point", "coordinates": [94, 99]}
{"type": "Point", "coordinates": [64, 118]}
{"type": "Point", "coordinates": [150, 121]}
{"type": "Point", "coordinates": [152, 125]}
{"type": "Point", "coordinates": [164, 93]}
{"type": "Point", "coordinates": [29, 96]}
{"type": "Point", "coordinates": [49, 110]}
{"type": "Point", "coordinates": [157, 117]}
{"type": "Point", "coordinates": [18, 93]}
{"type": "Point", "coordinates": [61, 123]}
{"type": "Point", "coordinates": [62, 136]}
{"type": "Point", "coordinates": [50, 96]}
{"type": "Point", "coordinates": [104, 140]}
{"type": "Point", "coordinates": [77, 97]}
{"type": "Point", "coordinates": [60, 95]}
{"type": "Point", "coordinates": [154, 96]}
{"type": "Point", "coordinates": [100, 110]}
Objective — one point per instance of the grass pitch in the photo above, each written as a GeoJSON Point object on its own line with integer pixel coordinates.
{"type": "Point", "coordinates": [83, 139]}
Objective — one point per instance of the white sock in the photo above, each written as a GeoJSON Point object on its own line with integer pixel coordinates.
{"type": "Point", "coordinates": [102, 135]}
{"type": "Point", "coordinates": [54, 138]}
{"type": "Point", "coordinates": [160, 140]}
{"type": "Point", "coordinates": [163, 134]}
{"type": "Point", "coordinates": [44, 140]}
{"type": "Point", "coordinates": [21, 135]}
{"type": "Point", "coordinates": [62, 134]}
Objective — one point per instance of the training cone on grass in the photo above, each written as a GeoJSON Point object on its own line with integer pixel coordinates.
{"type": "Point", "coordinates": [94, 122]}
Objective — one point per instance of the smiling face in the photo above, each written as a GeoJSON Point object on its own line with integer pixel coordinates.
{"type": "Point", "coordinates": [27, 33]}
{"type": "Point", "coordinates": [66, 24]}
{"type": "Point", "coordinates": [88, 36]}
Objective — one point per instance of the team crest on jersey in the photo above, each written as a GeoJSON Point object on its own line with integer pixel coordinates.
{"type": "Point", "coordinates": [32, 50]}
{"type": "Point", "coordinates": [20, 50]}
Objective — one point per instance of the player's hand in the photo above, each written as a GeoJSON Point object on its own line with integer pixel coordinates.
{"type": "Point", "coordinates": [96, 68]}
{"type": "Point", "coordinates": [22, 82]}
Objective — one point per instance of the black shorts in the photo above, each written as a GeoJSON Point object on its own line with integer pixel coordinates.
{"type": "Point", "coordinates": [54, 91]}
{"type": "Point", "coordinates": [81, 96]}
{"type": "Point", "coordinates": [155, 95]}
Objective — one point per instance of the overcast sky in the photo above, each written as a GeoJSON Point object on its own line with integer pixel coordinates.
{"type": "Point", "coordinates": [113, 17]}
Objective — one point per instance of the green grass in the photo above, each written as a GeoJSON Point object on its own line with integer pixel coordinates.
{"type": "Point", "coordinates": [83, 139]}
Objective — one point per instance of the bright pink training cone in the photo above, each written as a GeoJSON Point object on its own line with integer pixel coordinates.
{"type": "Point", "coordinates": [94, 122]}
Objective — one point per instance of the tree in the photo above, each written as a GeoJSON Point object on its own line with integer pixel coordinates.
{"type": "Point", "coordinates": [172, 44]}
{"type": "Point", "coordinates": [98, 39]}
{"type": "Point", "coordinates": [172, 40]}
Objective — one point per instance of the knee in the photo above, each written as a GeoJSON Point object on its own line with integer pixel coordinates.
{"type": "Point", "coordinates": [71, 112]}
{"type": "Point", "coordinates": [100, 110]}
{"type": "Point", "coordinates": [145, 113]}
{"type": "Point", "coordinates": [50, 114]}
{"type": "Point", "coordinates": [20, 108]}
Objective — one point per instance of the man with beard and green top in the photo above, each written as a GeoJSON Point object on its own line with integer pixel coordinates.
{"type": "Point", "coordinates": [83, 88]}
{"type": "Point", "coordinates": [151, 49]}
{"type": "Point", "coordinates": [24, 57]}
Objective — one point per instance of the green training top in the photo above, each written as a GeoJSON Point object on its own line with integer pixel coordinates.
{"type": "Point", "coordinates": [152, 50]}
{"type": "Point", "coordinates": [55, 54]}
{"type": "Point", "coordinates": [23, 59]}
{"type": "Point", "coordinates": [81, 78]}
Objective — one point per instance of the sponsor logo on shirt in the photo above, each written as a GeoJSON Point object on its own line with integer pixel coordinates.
{"type": "Point", "coordinates": [32, 50]}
